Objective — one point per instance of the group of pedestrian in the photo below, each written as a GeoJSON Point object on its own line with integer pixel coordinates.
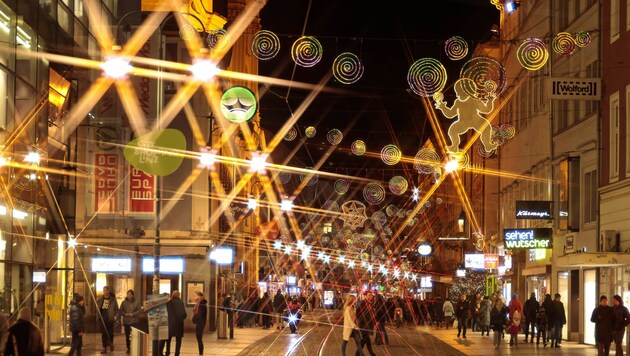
{"type": "Point", "coordinates": [361, 319]}
{"type": "Point", "coordinates": [610, 324]}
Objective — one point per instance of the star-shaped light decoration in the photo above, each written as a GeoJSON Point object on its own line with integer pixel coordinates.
{"type": "Point", "coordinates": [415, 194]}
{"type": "Point", "coordinates": [320, 255]}
{"type": "Point", "coordinates": [287, 249]}
{"type": "Point", "coordinates": [342, 259]}
{"type": "Point", "coordinates": [406, 275]}
{"type": "Point", "coordinates": [414, 277]}
{"type": "Point", "coordinates": [381, 269]}
{"type": "Point", "coordinates": [396, 273]}
{"type": "Point", "coordinates": [363, 264]}
{"type": "Point", "coordinates": [300, 245]}
{"type": "Point", "coordinates": [370, 268]}
{"type": "Point", "coordinates": [277, 245]}
{"type": "Point", "coordinates": [306, 251]}
{"type": "Point", "coordinates": [351, 264]}
{"type": "Point", "coordinates": [326, 259]}
{"type": "Point", "coordinates": [353, 214]}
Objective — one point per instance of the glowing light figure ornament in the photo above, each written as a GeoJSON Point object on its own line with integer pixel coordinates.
{"type": "Point", "coordinates": [258, 163]}
{"type": "Point", "coordinates": [277, 245]}
{"type": "Point", "coordinates": [353, 214]}
{"type": "Point", "coordinates": [252, 204]}
{"type": "Point", "coordinates": [204, 69]}
{"type": "Point", "coordinates": [286, 205]}
{"type": "Point", "coordinates": [32, 157]}
{"type": "Point", "coordinates": [116, 67]}
{"type": "Point", "coordinates": [287, 249]}
{"type": "Point", "coordinates": [468, 111]}
{"type": "Point", "coordinates": [484, 77]}
{"type": "Point", "coordinates": [238, 104]}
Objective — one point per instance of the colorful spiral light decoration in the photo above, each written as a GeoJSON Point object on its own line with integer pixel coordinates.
{"type": "Point", "coordinates": [187, 31]}
{"type": "Point", "coordinates": [310, 132]}
{"type": "Point", "coordinates": [334, 137]}
{"type": "Point", "coordinates": [284, 177]}
{"type": "Point", "coordinates": [341, 186]}
{"type": "Point", "coordinates": [390, 154]}
{"type": "Point", "coordinates": [532, 54]}
{"type": "Point", "coordinates": [358, 147]}
{"type": "Point", "coordinates": [481, 151]}
{"type": "Point", "coordinates": [306, 51]}
{"type": "Point", "coordinates": [582, 39]}
{"type": "Point", "coordinates": [379, 219]}
{"type": "Point", "coordinates": [374, 193]}
{"type": "Point", "coordinates": [218, 40]}
{"type": "Point", "coordinates": [463, 159]}
{"type": "Point", "coordinates": [330, 205]}
{"type": "Point", "coordinates": [486, 77]}
{"type": "Point", "coordinates": [291, 134]}
{"type": "Point", "coordinates": [311, 179]}
{"type": "Point", "coordinates": [391, 210]}
{"type": "Point", "coordinates": [564, 44]}
{"type": "Point", "coordinates": [507, 131]}
{"type": "Point", "coordinates": [347, 68]}
{"type": "Point", "coordinates": [426, 76]}
{"type": "Point", "coordinates": [456, 48]}
{"type": "Point", "coordinates": [426, 160]}
{"type": "Point", "coordinates": [265, 45]}
{"type": "Point", "coordinates": [398, 185]}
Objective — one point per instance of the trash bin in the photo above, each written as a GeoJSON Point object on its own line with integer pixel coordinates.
{"type": "Point", "coordinates": [222, 325]}
{"type": "Point", "coordinates": [139, 344]}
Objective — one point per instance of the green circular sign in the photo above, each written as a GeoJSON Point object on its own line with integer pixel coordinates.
{"type": "Point", "coordinates": [238, 104]}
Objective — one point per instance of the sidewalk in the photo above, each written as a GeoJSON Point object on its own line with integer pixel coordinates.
{"type": "Point", "coordinates": [212, 346]}
{"type": "Point", "coordinates": [477, 345]}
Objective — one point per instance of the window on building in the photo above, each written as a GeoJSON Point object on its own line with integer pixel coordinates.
{"type": "Point", "coordinates": [563, 14]}
{"type": "Point", "coordinates": [592, 71]}
{"type": "Point", "coordinates": [561, 115]}
{"type": "Point", "coordinates": [614, 20]}
{"type": "Point", "coordinates": [627, 131]}
{"type": "Point", "coordinates": [614, 137]}
{"type": "Point", "coordinates": [590, 196]}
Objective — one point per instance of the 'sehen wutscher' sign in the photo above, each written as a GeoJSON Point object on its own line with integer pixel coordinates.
{"type": "Point", "coordinates": [516, 239]}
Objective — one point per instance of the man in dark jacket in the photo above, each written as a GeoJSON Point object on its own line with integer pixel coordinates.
{"type": "Point", "coordinates": [604, 318]}
{"type": "Point", "coordinates": [107, 308]}
{"type": "Point", "coordinates": [559, 319]}
{"type": "Point", "coordinates": [77, 326]}
{"type": "Point", "coordinates": [380, 310]}
{"type": "Point", "coordinates": [130, 312]}
{"type": "Point", "coordinates": [622, 319]}
{"type": "Point", "coordinates": [548, 305]}
{"type": "Point", "coordinates": [24, 337]}
{"type": "Point", "coordinates": [200, 315]}
{"type": "Point", "coordinates": [366, 321]}
{"type": "Point", "coordinates": [529, 309]}
{"type": "Point", "coordinates": [176, 316]}
{"type": "Point", "coordinates": [462, 313]}
{"type": "Point", "coordinates": [279, 306]}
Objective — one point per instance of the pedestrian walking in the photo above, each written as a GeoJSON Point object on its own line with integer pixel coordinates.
{"type": "Point", "coordinates": [130, 313]}
{"type": "Point", "coordinates": [622, 319]}
{"type": "Point", "coordinates": [107, 308]}
{"type": "Point", "coordinates": [447, 311]}
{"type": "Point", "coordinates": [529, 311]}
{"type": "Point", "coordinates": [200, 315]}
{"type": "Point", "coordinates": [514, 327]}
{"type": "Point", "coordinates": [366, 321]}
{"type": "Point", "coordinates": [515, 306]}
{"type": "Point", "coordinates": [77, 324]}
{"type": "Point", "coordinates": [484, 315]}
{"type": "Point", "coordinates": [350, 328]}
{"type": "Point", "coordinates": [548, 306]}
{"type": "Point", "coordinates": [24, 337]}
{"type": "Point", "coordinates": [381, 317]}
{"type": "Point", "coordinates": [462, 312]}
{"type": "Point", "coordinates": [176, 316]}
{"type": "Point", "coordinates": [498, 317]}
{"type": "Point", "coordinates": [541, 322]}
{"type": "Point", "coordinates": [559, 319]}
{"type": "Point", "coordinates": [279, 306]}
{"type": "Point", "coordinates": [266, 309]}
{"type": "Point", "coordinates": [604, 318]}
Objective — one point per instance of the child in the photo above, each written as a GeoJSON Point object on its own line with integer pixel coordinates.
{"type": "Point", "coordinates": [541, 324]}
{"type": "Point", "coordinates": [515, 325]}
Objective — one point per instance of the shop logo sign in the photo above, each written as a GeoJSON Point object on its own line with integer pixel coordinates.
{"type": "Point", "coordinates": [516, 239]}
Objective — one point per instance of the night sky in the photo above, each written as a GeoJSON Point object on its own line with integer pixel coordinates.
{"type": "Point", "coordinates": [388, 38]}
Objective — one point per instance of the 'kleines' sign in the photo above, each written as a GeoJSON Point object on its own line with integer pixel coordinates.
{"type": "Point", "coordinates": [527, 238]}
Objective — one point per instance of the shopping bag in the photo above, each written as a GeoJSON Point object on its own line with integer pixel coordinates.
{"type": "Point", "coordinates": [455, 323]}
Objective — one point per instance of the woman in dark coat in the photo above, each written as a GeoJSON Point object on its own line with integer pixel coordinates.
{"type": "Point", "coordinates": [200, 315]}
{"type": "Point", "coordinates": [604, 318]}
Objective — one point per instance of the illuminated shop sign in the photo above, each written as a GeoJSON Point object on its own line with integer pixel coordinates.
{"type": "Point", "coordinates": [111, 264]}
{"type": "Point", "coordinates": [533, 209]}
{"type": "Point", "coordinates": [222, 255]}
{"type": "Point", "coordinates": [167, 265]}
{"type": "Point", "coordinates": [481, 261]}
{"type": "Point", "coordinates": [291, 280]}
{"type": "Point", "coordinates": [527, 238]}
{"type": "Point", "coordinates": [39, 276]}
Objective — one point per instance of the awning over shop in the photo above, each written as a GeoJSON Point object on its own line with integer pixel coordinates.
{"type": "Point", "coordinates": [603, 259]}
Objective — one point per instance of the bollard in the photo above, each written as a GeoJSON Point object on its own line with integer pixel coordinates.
{"type": "Point", "coordinates": [139, 342]}
{"type": "Point", "coordinates": [222, 325]}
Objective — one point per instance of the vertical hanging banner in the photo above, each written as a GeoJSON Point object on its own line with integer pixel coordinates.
{"type": "Point", "coordinates": [141, 191]}
{"type": "Point", "coordinates": [105, 182]}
